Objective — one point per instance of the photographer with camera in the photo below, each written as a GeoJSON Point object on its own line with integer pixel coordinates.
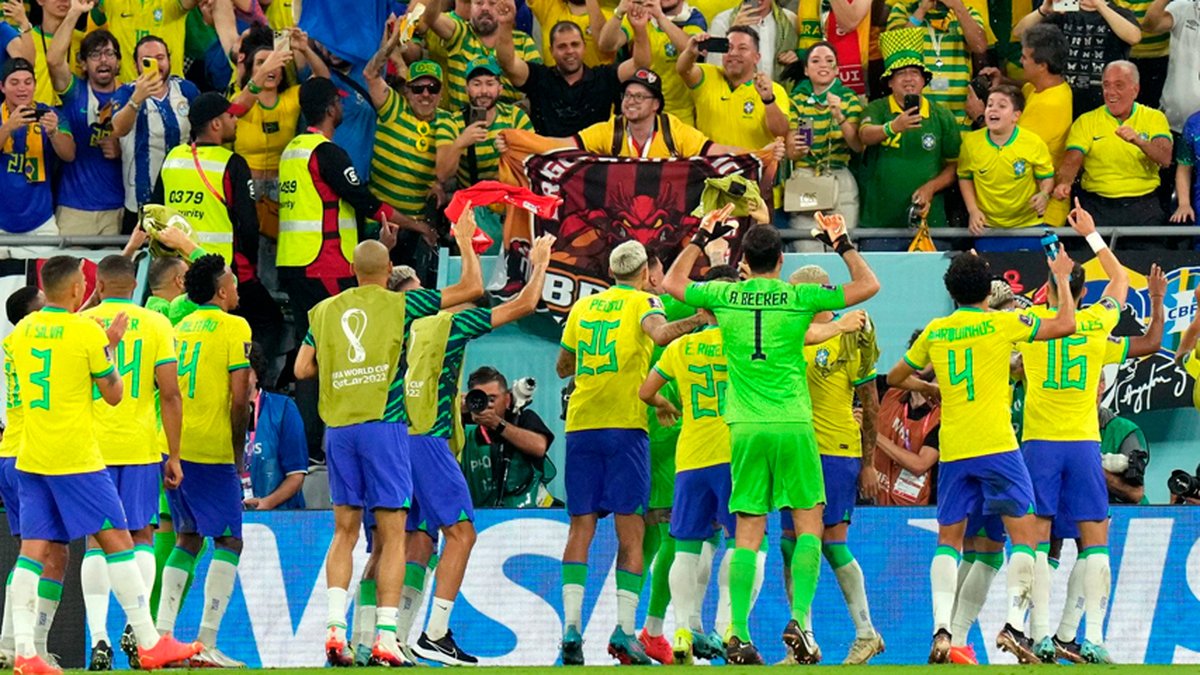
{"type": "Point", "coordinates": [504, 458]}
{"type": "Point", "coordinates": [1124, 455]}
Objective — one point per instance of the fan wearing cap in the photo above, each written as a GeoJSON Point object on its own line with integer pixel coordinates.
{"type": "Point", "coordinates": [403, 165]}
{"type": "Point", "coordinates": [212, 187]}
{"type": "Point", "coordinates": [911, 155]}
{"type": "Point", "coordinates": [571, 94]}
{"type": "Point", "coordinates": [466, 140]}
{"type": "Point", "coordinates": [30, 135]}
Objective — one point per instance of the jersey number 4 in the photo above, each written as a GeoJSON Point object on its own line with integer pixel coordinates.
{"type": "Point", "coordinates": [964, 375]}
{"type": "Point", "coordinates": [187, 366]}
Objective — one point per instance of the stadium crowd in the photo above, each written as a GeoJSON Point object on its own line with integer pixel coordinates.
{"type": "Point", "coordinates": [314, 189]}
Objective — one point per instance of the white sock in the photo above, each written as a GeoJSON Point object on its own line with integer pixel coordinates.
{"type": "Point", "coordinates": [703, 575]}
{"type": "Point", "coordinates": [1068, 627]}
{"type": "Point", "coordinates": [336, 604]}
{"type": "Point", "coordinates": [143, 555]}
{"type": "Point", "coordinates": [683, 582]}
{"type": "Point", "coordinates": [1039, 610]}
{"type": "Point", "coordinates": [854, 590]}
{"type": "Point", "coordinates": [174, 580]}
{"type": "Point", "coordinates": [410, 604]}
{"type": "Point", "coordinates": [93, 577]}
{"type": "Point", "coordinates": [971, 597]}
{"type": "Point", "coordinates": [1097, 582]}
{"type": "Point", "coordinates": [439, 618]}
{"type": "Point", "coordinates": [218, 587]}
{"type": "Point", "coordinates": [46, 609]}
{"type": "Point", "coordinates": [133, 596]}
{"type": "Point", "coordinates": [654, 624]}
{"type": "Point", "coordinates": [943, 577]}
{"type": "Point", "coordinates": [385, 624]}
{"type": "Point", "coordinates": [627, 602]}
{"type": "Point", "coordinates": [1020, 583]}
{"type": "Point", "coordinates": [572, 595]}
{"type": "Point", "coordinates": [25, 578]}
{"type": "Point", "coordinates": [6, 632]}
{"type": "Point", "coordinates": [724, 605]}
{"type": "Point", "coordinates": [760, 574]}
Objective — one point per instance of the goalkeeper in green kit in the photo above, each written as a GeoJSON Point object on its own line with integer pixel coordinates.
{"type": "Point", "coordinates": [775, 463]}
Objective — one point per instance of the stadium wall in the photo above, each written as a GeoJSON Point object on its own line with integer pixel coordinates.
{"type": "Point", "coordinates": [510, 609]}
{"type": "Point", "coordinates": [912, 294]}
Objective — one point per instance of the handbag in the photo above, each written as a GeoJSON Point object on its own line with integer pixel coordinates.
{"type": "Point", "coordinates": [803, 192]}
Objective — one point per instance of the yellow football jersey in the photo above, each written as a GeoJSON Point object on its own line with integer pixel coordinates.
{"type": "Point", "coordinates": [128, 432]}
{"type": "Point", "coordinates": [696, 364]}
{"type": "Point", "coordinates": [212, 344]}
{"type": "Point", "coordinates": [131, 20]}
{"type": "Point", "coordinates": [833, 374]}
{"type": "Point", "coordinates": [14, 431]}
{"type": "Point", "coordinates": [970, 352]}
{"type": "Point", "coordinates": [612, 357]}
{"type": "Point", "coordinates": [56, 355]}
{"type": "Point", "coordinates": [1062, 375]}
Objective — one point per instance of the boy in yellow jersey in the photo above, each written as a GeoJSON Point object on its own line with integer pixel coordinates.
{"type": "Point", "coordinates": [128, 438]}
{"type": "Point", "coordinates": [606, 347]}
{"type": "Point", "coordinates": [1062, 441]}
{"type": "Point", "coordinates": [214, 381]}
{"type": "Point", "coordinates": [23, 301]}
{"type": "Point", "coordinates": [839, 369]}
{"type": "Point", "coordinates": [979, 463]}
{"type": "Point", "coordinates": [66, 491]}
{"type": "Point", "coordinates": [696, 364]}
{"type": "Point", "coordinates": [1004, 172]}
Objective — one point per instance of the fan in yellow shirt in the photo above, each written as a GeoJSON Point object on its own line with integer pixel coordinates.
{"type": "Point", "coordinates": [980, 465]}
{"type": "Point", "coordinates": [132, 20]}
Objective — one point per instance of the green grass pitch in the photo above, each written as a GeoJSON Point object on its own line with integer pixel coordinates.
{"type": "Point", "coordinates": [748, 670]}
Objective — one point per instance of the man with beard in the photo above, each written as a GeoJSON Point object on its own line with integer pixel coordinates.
{"type": "Point", "coordinates": [673, 23]}
{"type": "Point", "coordinates": [571, 94]}
{"type": "Point", "coordinates": [460, 44]}
{"type": "Point", "coordinates": [726, 111]}
{"type": "Point", "coordinates": [465, 133]}
{"type": "Point", "coordinates": [586, 15]}
{"type": "Point", "coordinates": [91, 198]}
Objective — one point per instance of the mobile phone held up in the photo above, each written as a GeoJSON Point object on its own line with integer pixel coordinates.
{"type": "Point", "coordinates": [1050, 243]}
{"type": "Point", "coordinates": [149, 65]}
{"type": "Point", "coordinates": [912, 101]}
{"type": "Point", "coordinates": [476, 114]}
{"type": "Point", "coordinates": [804, 132]}
{"type": "Point", "coordinates": [715, 45]}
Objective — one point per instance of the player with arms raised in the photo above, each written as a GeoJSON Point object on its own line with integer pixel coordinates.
{"type": "Point", "coordinates": [774, 459]}
{"type": "Point", "coordinates": [66, 492]}
{"type": "Point", "coordinates": [979, 461]}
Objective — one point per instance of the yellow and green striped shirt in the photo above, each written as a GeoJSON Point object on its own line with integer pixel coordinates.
{"type": "Point", "coordinates": [829, 149]}
{"type": "Point", "coordinates": [463, 47]}
{"type": "Point", "coordinates": [402, 167]}
{"type": "Point", "coordinates": [487, 158]}
{"type": "Point", "coordinates": [946, 54]}
{"type": "Point", "coordinates": [1151, 46]}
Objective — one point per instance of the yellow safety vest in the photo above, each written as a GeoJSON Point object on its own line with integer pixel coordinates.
{"type": "Point", "coordinates": [301, 211]}
{"type": "Point", "coordinates": [201, 198]}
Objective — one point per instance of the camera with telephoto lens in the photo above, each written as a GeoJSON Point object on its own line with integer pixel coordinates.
{"type": "Point", "coordinates": [477, 401]}
{"type": "Point", "coordinates": [1184, 484]}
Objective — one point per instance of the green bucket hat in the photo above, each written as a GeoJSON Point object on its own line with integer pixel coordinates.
{"type": "Point", "coordinates": [903, 48]}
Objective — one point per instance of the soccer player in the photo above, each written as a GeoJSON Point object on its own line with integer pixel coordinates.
{"type": "Point", "coordinates": [695, 364]}
{"type": "Point", "coordinates": [839, 369]}
{"type": "Point", "coordinates": [1062, 441]}
{"type": "Point", "coordinates": [355, 348]}
{"type": "Point", "coordinates": [606, 346]}
{"type": "Point", "coordinates": [128, 437]}
{"type": "Point", "coordinates": [23, 301]}
{"type": "Point", "coordinates": [441, 499]}
{"type": "Point", "coordinates": [774, 460]}
{"type": "Point", "coordinates": [214, 380]}
{"type": "Point", "coordinates": [979, 462]}
{"type": "Point", "coordinates": [65, 489]}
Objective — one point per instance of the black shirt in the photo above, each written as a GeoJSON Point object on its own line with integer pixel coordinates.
{"type": "Point", "coordinates": [559, 109]}
{"type": "Point", "coordinates": [1091, 45]}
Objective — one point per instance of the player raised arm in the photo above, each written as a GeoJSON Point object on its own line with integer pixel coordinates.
{"type": "Point", "coordinates": [1118, 279]}
{"type": "Point", "coordinates": [166, 376]}
{"type": "Point", "coordinates": [847, 323]}
{"type": "Point", "coordinates": [832, 232]}
{"type": "Point", "coordinates": [1063, 323]}
{"type": "Point", "coordinates": [663, 333]}
{"type": "Point", "coordinates": [676, 281]}
{"type": "Point", "coordinates": [1151, 341]}
{"type": "Point", "coordinates": [470, 280]}
{"type": "Point", "coordinates": [527, 301]}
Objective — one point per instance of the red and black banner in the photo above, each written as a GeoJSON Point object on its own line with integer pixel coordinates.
{"type": "Point", "coordinates": [607, 201]}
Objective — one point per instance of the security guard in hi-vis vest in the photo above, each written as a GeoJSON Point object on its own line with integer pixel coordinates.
{"type": "Point", "coordinates": [211, 186]}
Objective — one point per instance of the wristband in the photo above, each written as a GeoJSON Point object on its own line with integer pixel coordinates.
{"type": "Point", "coordinates": [888, 130]}
{"type": "Point", "coordinates": [771, 102]}
{"type": "Point", "coordinates": [619, 13]}
{"type": "Point", "coordinates": [915, 21]}
{"type": "Point", "coordinates": [1039, 11]}
{"type": "Point", "coordinates": [843, 246]}
{"type": "Point", "coordinates": [1096, 242]}
{"type": "Point", "coordinates": [701, 238]}
{"type": "Point", "coordinates": [238, 110]}
{"type": "Point", "coordinates": [500, 428]}
{"type": "Point", "coordinates": [253, 88]}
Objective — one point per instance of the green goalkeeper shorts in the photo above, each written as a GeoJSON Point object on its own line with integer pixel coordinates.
{"type": "Point", "coordinates": [774, 466]}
